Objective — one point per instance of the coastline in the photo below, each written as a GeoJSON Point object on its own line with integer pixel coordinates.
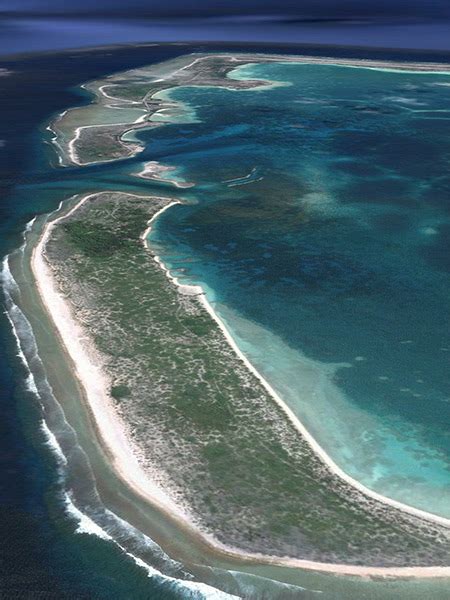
{"type": "Point", "coordinates": [150, 105]}
{"type": "Point", "coordinates": [90, 376]}
{"type": "Point", "coordinates": [118, 447]}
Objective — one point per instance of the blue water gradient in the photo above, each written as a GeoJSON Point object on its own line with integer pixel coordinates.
{"type": "Point", "coordinates": [320, 227]}
{"type": "Point", "coordinates": [44, 554]}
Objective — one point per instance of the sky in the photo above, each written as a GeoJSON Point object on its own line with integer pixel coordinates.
{"type": "Point", "coordinates": [321, 9]}
{"type": "Point", "coordinates": [29, 25]}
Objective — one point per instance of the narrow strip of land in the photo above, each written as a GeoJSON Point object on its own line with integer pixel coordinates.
{"type": "Point", "coordinates": [190, 424]}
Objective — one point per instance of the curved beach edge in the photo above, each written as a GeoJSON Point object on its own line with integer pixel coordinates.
{"type": "Point", "coordinates": [133, 148]}
{"type": "Point", "coordinates": [124, 462]}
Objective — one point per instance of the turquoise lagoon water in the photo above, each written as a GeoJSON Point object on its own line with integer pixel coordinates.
{"type": "Point", "coordinates": [320, 227]}
{"type": "Point", "coordinates": [234, 230]}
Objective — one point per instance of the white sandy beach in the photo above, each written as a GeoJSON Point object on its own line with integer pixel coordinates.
{"type": "Point", "coordinates": [156, 171]}
{"type": "Point", "coordinates": [113, 102]}
{"type": "Point", "coordinates": [72, 151]}
{"type": "Point", "coordinates": [112, 430]}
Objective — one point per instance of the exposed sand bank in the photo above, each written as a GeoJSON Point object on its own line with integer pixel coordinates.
{"type": "Point", "coordinates": [156, 171]}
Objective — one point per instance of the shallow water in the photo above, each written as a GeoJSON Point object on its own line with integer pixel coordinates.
{"type": "Point", "coordinates": [52, 548]}
{"type": "Point", "coordinates": [321, 230]}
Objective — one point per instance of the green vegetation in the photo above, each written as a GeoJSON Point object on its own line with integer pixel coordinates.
{"type": "Point", "coordinates": [132, 91]}
{"type": "Point", "coordinates": [120, 391]}
{"type": "Point", "coordinates": [202, 419]}
{"type": "Point", "coordinates": [99, 144]}
{"type": "Point", "coordinates": [94, 240]}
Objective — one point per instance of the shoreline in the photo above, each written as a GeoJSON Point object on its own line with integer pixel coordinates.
{"type": "Point", "coordinates": [74, 155]}
{"type": "Point", "coordinates": [135, 147]}
{"type": "Point", "coordinates": [120, 449]}
{"type": "Point", "coordinates": [198, 290]}
{"type": "Point", "coordinates": [91, 378]}
{"type": "Point", "coordinates": [362, 63]}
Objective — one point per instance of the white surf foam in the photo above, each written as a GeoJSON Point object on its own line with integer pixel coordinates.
{"type": "Point", "coordinates": [53, 443]}
{"type": "Point", "coordinates": [85, 525]}
{"type": "Point", "coordinates": [13, 313]}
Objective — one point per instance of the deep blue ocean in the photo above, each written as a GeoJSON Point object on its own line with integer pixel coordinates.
{"type": "Point", "coordinates": [331, 258]}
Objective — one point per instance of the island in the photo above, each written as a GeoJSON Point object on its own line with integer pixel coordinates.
{"type": "Point", "coordinates": [186, 421]}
